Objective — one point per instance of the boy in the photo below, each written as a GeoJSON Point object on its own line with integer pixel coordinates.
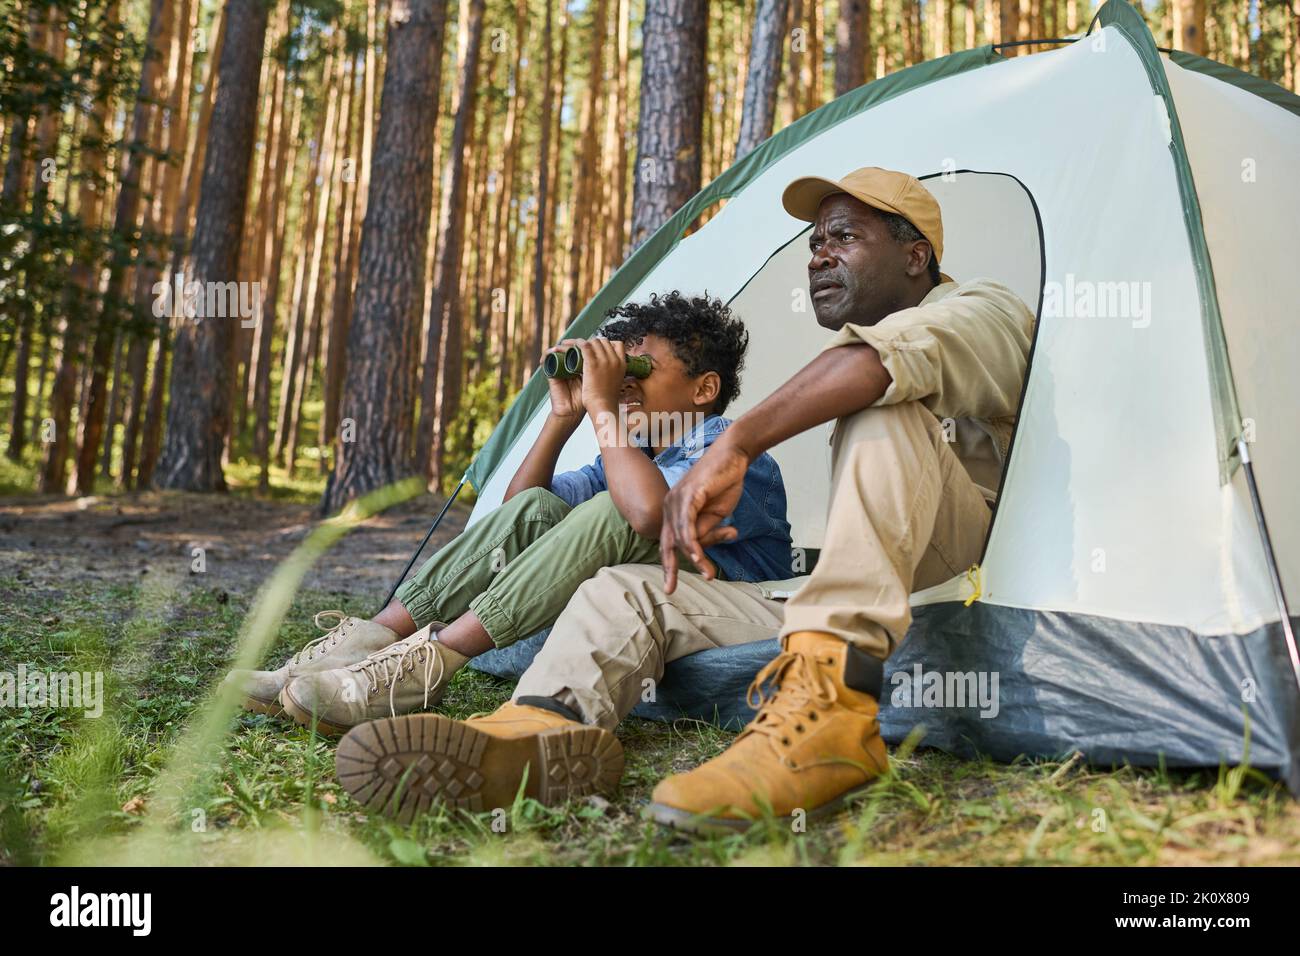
{"type": "Point", "coordinates": [512, 573]}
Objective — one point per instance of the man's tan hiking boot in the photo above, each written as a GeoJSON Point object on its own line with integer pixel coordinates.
{"type": "Point", "coordinates": [409, 675]}
{"type": "Point", "coordinates": [402, 766]}
{"type": "Point", "coordinates": [815, 741]}
{"type": "Point", "coordinates": [349, 640]}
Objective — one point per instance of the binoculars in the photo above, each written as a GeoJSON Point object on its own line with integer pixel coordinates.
{"type": "Point", "coordinates": [568, 364]}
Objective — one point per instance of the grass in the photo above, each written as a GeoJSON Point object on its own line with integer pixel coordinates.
{"type": "Point", "coordinates": [83, 790]}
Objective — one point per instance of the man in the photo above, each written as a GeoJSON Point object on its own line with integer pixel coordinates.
{"type": "Point", "coordinates": [912, 348]}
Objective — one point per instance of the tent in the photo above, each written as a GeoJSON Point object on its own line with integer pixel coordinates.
{"type": "Point", "coordinates": [1130, 598]}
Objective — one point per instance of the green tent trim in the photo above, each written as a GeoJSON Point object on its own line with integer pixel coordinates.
{"type": "Point", "coordinates": [1277, 95]}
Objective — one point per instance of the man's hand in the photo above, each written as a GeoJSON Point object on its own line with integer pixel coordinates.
{"type": "Point", "coordinates": [604, 367]}
{"type": "Point", "coordinates": [696, 506]}
{"type": "Point", "coordinates": [566, 393]}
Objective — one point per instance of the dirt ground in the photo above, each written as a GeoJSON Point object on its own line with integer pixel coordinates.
{"type": "Point", "coordinates": [53, 542]}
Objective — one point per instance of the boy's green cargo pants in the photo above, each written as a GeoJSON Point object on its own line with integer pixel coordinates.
{"type": "Point", "coordinates": [518, 566]}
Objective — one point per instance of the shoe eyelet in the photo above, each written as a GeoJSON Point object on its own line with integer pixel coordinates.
{"type": "Point", "coordinates": [812, 715]}
{"type": "Point", "coordinates": [786, 741]}
{"type": "Point", "coordinates": [798, 728]}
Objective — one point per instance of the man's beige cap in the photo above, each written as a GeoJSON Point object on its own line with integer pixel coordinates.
{"type": "Point", "coordinates": [884, 189]}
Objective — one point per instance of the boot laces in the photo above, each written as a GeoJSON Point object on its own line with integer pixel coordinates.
{"type": "Point", "coordinates": [327, 641]}
{"type": "Point", "coordinates": [388, 667]}
{"type": "Point", "coordinates": [799, 691]}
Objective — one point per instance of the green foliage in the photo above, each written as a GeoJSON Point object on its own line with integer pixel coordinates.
{"type": "Point", "coordinates": [479, 413]}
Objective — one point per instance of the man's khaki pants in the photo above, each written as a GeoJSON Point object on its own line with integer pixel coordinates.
{"type": "Point", "coordinates": [904, 515]}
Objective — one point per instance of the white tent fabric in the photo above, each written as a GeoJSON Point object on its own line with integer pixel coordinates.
{"type": "Point", "coordinates": [1112, 503]}
{"type": "Point", "coordinates": [1244, 152]}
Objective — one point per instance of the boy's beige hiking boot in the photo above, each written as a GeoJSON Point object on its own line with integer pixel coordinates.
{"type": "Point", "coordinates": [349, 640]}
{"type": "Point", "coordinates": [401, 766]}
{"type": "Point", "coordinates": [409, 675]}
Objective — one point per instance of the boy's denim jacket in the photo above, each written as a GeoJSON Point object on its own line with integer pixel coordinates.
{"type": "Point", "coordinates": [762, 552]}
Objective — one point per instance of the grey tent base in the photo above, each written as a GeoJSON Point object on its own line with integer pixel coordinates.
{"type": "Point", "coordinates": [1038, 684]}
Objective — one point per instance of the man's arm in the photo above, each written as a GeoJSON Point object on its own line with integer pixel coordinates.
{"type": "Point", "coordinates": [838, 382]}
{"type": "Point", "coordinates": [964, 355]}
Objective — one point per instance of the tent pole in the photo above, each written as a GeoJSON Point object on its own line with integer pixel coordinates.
{"type": "Point", "coordinates": [1270, 558]}
{"type": "Point", "coordinates": [432, 528]}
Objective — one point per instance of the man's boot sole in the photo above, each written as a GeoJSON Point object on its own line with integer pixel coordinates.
{"type": "Point", "coordinates": [402, 766]}
{"type": "Point", "coordinates": [688, 822]}
{"type": "Point", "coordinates": [302, 715]}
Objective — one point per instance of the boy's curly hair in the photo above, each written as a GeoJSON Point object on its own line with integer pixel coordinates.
{"type": "Point", "coordinates": [702, 332]}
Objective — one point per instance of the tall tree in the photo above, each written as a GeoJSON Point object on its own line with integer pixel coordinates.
{"type": "Point", "coordinates": [543, 221]}
{"type": "Point", "coordinates": [315, 293]}
{"type": "Point", "coordinates": [1189, 25]}
{"type": "Point", "coordinates": [675, 39]}
{"type": "Point", "coordinates": [587, 185]}
{"type": "Point", "coordinates": [315, 210]}
{"type": "Point", "coordinates": [766, 46]}
{"type": "Point", "coordinates": [83, 287]}
{"type": "Point", "coordinates": [198, 415]}
{"type": "Point", "coordinates": [183, 193]}
{"type": "Point", "coordinates": [444, 344]}
{"type": "Point", "coordinates": [390, 273]}
{"type": "Point", "coordinates": [47, 37]}
{"type": "Point", "coordinates": [341, 299]}
{"type": "Point", "coordinates": [124, 226]}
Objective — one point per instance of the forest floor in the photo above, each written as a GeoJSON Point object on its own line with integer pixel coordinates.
{"type": "Point", "coordinates": [109, 583]}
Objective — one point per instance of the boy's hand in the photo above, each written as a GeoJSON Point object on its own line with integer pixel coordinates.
{"type": "Point", "coordinates": [604, 367]}
{"type": "Point", "coordinates": [566, 393]}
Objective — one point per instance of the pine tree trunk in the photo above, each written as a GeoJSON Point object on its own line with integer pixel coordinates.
{"type": "Point", "coordinates": [285, 164]}
{"type": "Point", "coordinates": [1008, 25]}
{"type": "Point", "coordinates": [586, 177]}
{"type": "Point", "coordinates": [852, 60]}
{"type": "Point", "coordinates": [484, 167]}
{"type": "Point", "coordinates": [503, 248]}
{"type": "Point", "coordinates": [176, 141]}
{"type": "Point", "coordinates": [619, 207]}
{"type": "Point", "coordinates": [440, 393]}
{"type": "Point", "coordinates": [391, 262]}
{"type": "Point", "coordinates": [46, 36]}
{"type": "Point", "coordinates": [83, 285]}
{"type": "Point", "coordinates": [557, 317]}
{"type": "Point", "coordinates": [198, 415]}
{"type": "Point", "coordinates": [124, 228]}
{"type": "Point", "coordinates": [342, 282]}
{"type": "Point", "coordinates": [314, 285]}
{"type": "Point", "coordinates": [813, 62]}
{"type": "Point", "coordinates": [256, 223]}
{"type": "Point", "coordinates": [1189, 26]}
{"type": "Point", "coordinates": [307, 271]}
{"type": "Point", "coordinates": [672, 107]}
{"type": "Point", "coordinates": [766, 46]}
{"type": "Point", "coordinates": [544, 222]}
{"type": "Point", "coordinates": [147, 274]}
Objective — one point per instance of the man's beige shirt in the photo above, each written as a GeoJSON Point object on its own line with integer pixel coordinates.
{"type": "Point", "coordinates": [962, 353]}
